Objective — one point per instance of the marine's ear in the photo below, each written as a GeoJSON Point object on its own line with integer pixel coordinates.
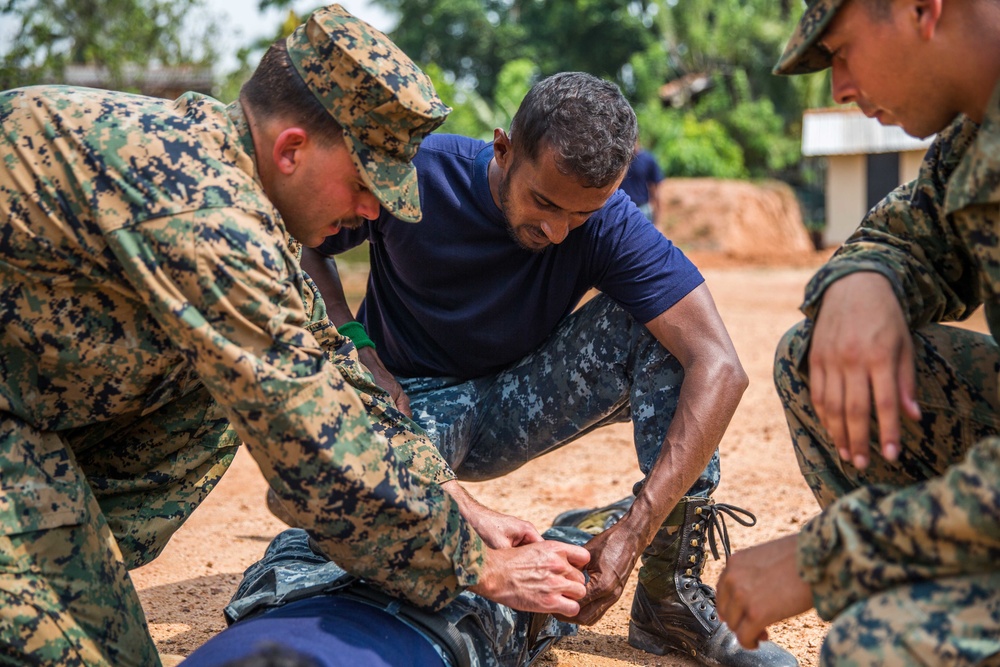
{"type": "Point", "coordinates": [287, 150]}
{"type": "Point", "coordinates": [925, 15]}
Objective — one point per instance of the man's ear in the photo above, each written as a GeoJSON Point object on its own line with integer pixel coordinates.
{"type": "Point", "coordinates": [502, 149]}
{"type": "Point", "coordinates": [287, 151]}
{"type": "Point", "coordinates": [926, 14]}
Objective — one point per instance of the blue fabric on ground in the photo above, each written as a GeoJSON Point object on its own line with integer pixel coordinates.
{"type": "Point", "coordinates": [334, 631]}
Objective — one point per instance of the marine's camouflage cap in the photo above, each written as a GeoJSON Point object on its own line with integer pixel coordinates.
{"type": "Point", "coordinates": [385, 104]}
{"type": "Point", "coordinates": [802, 55]}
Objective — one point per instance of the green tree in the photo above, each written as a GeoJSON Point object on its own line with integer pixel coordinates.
{"type": "Point", "coordinates": [472, 40]}
{"type": "Point", "coordinates": [471, 115]}
{"type": "Point", "coordinates": [112, 34]}
{"type": "Point", "coordinates": [734, 44]}
{"type": "Point", "coordinates": [745, 122]}
{"type": "Point", "coordinates": [685, 146]}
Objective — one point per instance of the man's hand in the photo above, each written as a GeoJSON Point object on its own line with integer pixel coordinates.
{"type": "Point", "coordinates": [761, 586]}
{"type": "Point", "coordinates": [613, 554]}
{"type": "Point", "coordinates": [862, 351]}
{"type": "Point", "coordinates": [542, 577]}
{"type": "Point", "coordinates": [498, 531]}
{"type": "Point", "coordinates": [383, 378]}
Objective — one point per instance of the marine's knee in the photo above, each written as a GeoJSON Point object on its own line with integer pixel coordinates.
{"type": "Point", "coordinates": [605, 313]}
{"type": "Point", "coordinates": [906, 626]}
{"type": "Point", "coordinates": [854, 638]}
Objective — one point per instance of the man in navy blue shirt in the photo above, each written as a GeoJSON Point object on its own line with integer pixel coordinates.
{"type": "Point", "coordinates": [641, 181]}
{"type": "Point", "coordinates": [474, 328]}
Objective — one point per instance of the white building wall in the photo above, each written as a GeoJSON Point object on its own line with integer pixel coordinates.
{"type": "Point", "coordinates": [846, 186]}
{"type": "Point", "coordinates": [909, 165]}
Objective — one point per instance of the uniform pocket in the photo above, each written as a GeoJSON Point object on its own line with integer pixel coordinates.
{"type": "Point", "coordinates": [40, 485]}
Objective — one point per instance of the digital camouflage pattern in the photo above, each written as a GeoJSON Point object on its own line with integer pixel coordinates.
{"type": "Point", "coordinates": [491, 634]}
{"type": "Point", "coordinates": [802, 54]}
{"type": "Point", "coordinates": [600, 366]}
{"type": "Point", "coordinates": [384, 102]}
{"type": "Point", "coordinates": [899, 544]}
{"type": "Point", "coordinates": [153, 314]}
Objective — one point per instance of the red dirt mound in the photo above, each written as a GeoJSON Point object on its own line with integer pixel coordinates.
{"type": "Point", "coordinates": [750, 222]}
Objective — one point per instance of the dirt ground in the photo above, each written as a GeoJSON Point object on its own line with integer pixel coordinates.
{"type": "Point", "coordinates": [185, 589]}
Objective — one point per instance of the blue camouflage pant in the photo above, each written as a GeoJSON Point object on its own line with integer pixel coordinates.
{"type": "Point", "coordinates": [953, 620]}
{"type": "Point", "coordinates": [600, 366]}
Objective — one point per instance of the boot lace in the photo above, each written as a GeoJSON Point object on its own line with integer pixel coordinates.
{"type": "Point", "coordinates": [709, 528]}
{"type": "Point", "coordinates": [714, 517]}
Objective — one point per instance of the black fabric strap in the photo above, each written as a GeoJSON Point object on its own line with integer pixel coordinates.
{"type": "Point", "coordinates": [435, 625]}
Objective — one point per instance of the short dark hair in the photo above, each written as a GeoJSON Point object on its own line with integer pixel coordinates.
{"type": "Point", "coordinates": [587, 122]}
{"type": "Point", "coordinates": [276, 90]}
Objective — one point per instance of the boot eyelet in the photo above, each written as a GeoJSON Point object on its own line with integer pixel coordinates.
{"type": "Point", "coordinates": [687, 585]}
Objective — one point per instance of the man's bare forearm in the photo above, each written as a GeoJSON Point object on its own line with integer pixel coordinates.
{"type": "Point", "coordinates": [323, 270]}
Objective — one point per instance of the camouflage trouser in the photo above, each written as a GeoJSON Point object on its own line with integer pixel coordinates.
{"type": "Point", "coordinates": [952, 621]}
{"type": "Point", "coordinates": [78, 509]}
{"type": "Point", "coordinates": [598, 367]}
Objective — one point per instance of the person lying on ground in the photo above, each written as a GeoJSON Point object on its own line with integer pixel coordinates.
{"type": "Point", "coordinates": [294, 604]}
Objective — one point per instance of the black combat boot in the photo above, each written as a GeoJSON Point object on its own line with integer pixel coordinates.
{"type": "Point", "coordinates": [673, 611]}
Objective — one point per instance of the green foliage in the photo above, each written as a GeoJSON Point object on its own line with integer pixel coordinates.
{"type": "Point", "coordinates": [747, 124]}
{"type": "Point", "coordinates": [248, 56]}
{"type": "Point", "coordinates": [113, 34]}
{"type": "Point", "coordinates": [471, 115]}
{"type": "Point", "coordinates": [647, 71]}
{"type": "Point", "coordinates": [483, 55]}
{"type": "Point", "coordinates": [514, 82]}
{"type": "Point", "coordinates": [472, 40]}
{"type": "Point", "coordinates": [756, 126]}
{"type": "Point", "coordinates": [687, 146]}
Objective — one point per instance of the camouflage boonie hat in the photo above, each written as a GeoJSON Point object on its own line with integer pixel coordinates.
{"type": "Point", "coordinates": [802, 55]}
{"type": "Point", "coordinates": [384, 102]}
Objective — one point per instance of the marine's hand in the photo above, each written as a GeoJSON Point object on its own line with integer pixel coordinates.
{"type": "Point", "coordinates": [542, 576]}
{"type": "Point", "coordinates": [383, 378]}
{"type": "Point", "coordinates": [613, 554]}
{"type": "Point", "coordinates": [498, 530]}
{"type": "Point", "coordinates": [761, 586]}
{"type": "Point", "coordinates": [861, 352]}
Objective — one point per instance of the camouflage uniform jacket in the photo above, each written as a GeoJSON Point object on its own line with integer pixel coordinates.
{"type": "Point", "coordinates": [139, 257]}
{"type": "Point", "coordinates": [936, 240]}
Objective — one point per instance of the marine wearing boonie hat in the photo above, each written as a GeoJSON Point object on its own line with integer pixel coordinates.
{"type": "Point", "coordinates": [802, 55]}
{"type": "Point", "coordinates": [383, 101]}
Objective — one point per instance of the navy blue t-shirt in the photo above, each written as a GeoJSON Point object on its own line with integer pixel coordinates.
{"type": "Point", "coordinates": [455, 296]}
{"type": "Point", "coordinates": [641, 173]}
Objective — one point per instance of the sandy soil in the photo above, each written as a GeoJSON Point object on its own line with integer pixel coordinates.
{"type": "Point", "coordinates": [185, 590]}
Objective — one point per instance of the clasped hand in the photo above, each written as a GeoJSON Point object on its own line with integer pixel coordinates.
{"type": "Point", "coordinates": [613, 554]}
